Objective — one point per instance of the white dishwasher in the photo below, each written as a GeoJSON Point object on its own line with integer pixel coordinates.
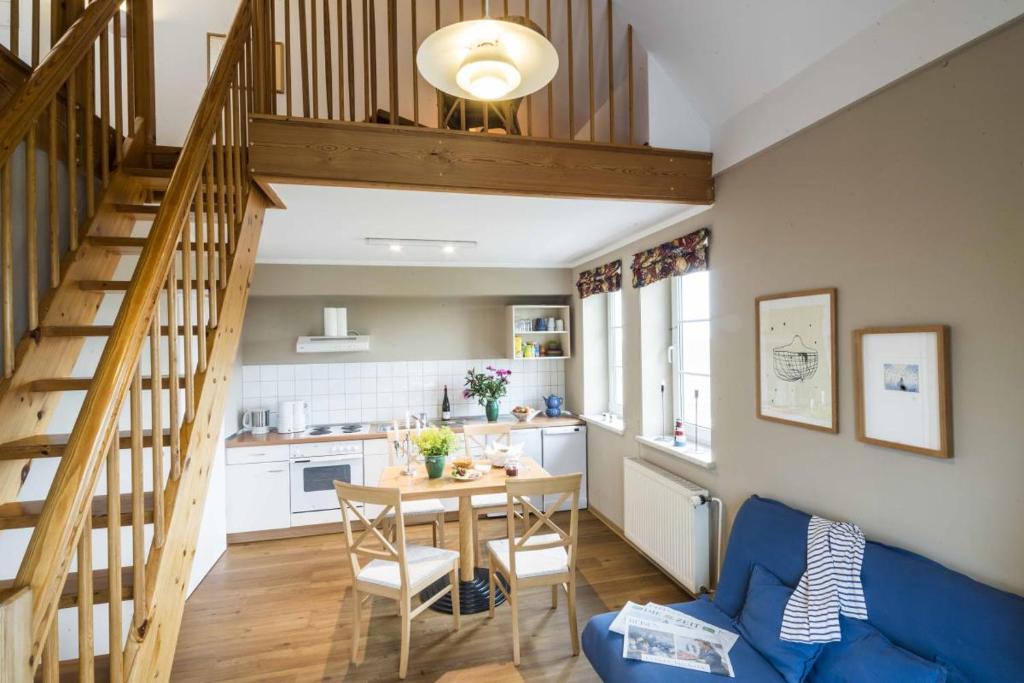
{"type": "Point", "coordinates": [565, 452]}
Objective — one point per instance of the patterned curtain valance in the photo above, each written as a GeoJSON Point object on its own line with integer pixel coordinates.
{"type": "Point", "coordinates": [606, 278]}
{"type": "Point", "coordinates": [687, 254]}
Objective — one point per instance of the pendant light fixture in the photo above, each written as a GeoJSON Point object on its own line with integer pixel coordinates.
{"type": "Point", "coordinates": [487, 59]}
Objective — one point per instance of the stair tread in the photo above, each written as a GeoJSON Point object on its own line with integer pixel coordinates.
{"type": "Point", "coordinates": [83, 383]}
{"type": "Point", "coordinates": [25, 514]}
{"type": "Point", "coordinates": [100, 587]}
{"type": "Point", "coordinates": [121, 244]}
{"type": "Point", "coordinates": [53, 445]}
{"type": "Point", "coordinates": [145, 209]}
{"type": "Point", "coordinates": [112, 285]}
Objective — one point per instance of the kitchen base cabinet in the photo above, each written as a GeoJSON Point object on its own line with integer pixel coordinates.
{"type": "Point", "coordinates": [258, 497]}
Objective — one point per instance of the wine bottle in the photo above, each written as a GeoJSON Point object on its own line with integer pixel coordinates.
{"type": "Point", "coordinates": [446, 406]}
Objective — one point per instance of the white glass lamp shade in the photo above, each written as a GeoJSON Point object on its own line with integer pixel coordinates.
{"type": "Point", "coordinates": [487, 59]}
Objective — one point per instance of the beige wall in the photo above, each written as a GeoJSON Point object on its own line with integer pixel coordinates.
{"type": "Point", "coordinates": [411, 313]}
{"type": "Point", "coordinates": [912, 204]}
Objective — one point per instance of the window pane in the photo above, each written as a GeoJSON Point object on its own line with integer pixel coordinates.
{"type": "Point", "coordinates": [697, 348]}
{"type": "Point", "coordinates": [696, 297]}
{"type": "Point", "coordinates": [616, 347]}
{"type": "Point", "coordinates": [615, 309]}
{"type": "Point", "coordinates": [617, 388]}
{"type": "Point", "coordinates": [697, 410]}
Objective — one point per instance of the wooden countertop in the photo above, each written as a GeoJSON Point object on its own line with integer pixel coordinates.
{"type": "Point", "coordinates": [243, 439]}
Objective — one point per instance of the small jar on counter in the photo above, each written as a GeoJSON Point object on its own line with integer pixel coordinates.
{"type": "Point", "coordinates": [512, 466]}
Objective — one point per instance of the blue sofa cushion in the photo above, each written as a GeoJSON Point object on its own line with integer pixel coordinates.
{"type": "Point", "coordinates": [604, 650]}
{"type": "Point", "coordinates": [866, 656]}
{"type": "Point", "coordinates": [760, 621]}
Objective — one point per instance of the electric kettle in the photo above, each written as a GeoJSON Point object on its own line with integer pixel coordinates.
{"type": "Point", "coordinates": [291, 417]}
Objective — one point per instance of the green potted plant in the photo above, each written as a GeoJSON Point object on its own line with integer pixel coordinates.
{"type": "Point", "coordinates": [487, 388]}
{"type": "Point", "coordinates": [435, 443]}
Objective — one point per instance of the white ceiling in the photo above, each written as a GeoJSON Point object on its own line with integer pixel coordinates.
{"type": "Point", "coordinates": [756, 72]}
{"type": "Point", "coordinates": [329, 224]}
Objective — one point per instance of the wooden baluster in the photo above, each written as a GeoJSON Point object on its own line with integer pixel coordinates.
{"type": "Point", "coordinates": [314, 59]}
{"type": "Point", "coordinates": [31, 230]}
{"type": "Point", "coordinates": [115, 634]}
{"type": "Point", "coordinates": [629, 72]}
{"type": "Point", "coordinates": [156, 423]}
{"type": "Point", "coordinates": [104, 109]}
{"type": "Point", "coordinates": [52, 198]}
{"type": "Point", "coordinates": [51, 655]}
{"type": "Point", "coordinates": [239, 170]}
{"type": "Point", "coordinates": [351, 61]}
{"type": "Point", "coordinates": [288, 56]}
{"type": "Point", "coordinates": [130, 65]}
{"type": "Point", "coordinates": [86, 644]}
{"type": "Point", "coordinates": [7, 268]}
{"type": "Point", "coordinates": [174, 439]}
{"type": "Point", "coordinates": [186, 309]}
{"type": "Point", "coordinates": [529, 99]}
{"type": "Point", "coordinates": [486, 107]}
{"type": "Point", "coordinates": [462, 102]}
{"type": "Point", "coordinates": [227, 155]}
{"type": "Point", "coordinates": [571, 69]}
{"type": "Point", "coordinates": [201, 321]}
{"type": "Point", "coordinates": [15, 26]}
{"type": "Point", "coordinates": [328, 72]}
{"type": "Point", "coordinates": [221, 204]}
{"type": "Point", "coordinates": [88, 123]}
{"type": "Point", "coordinates": [145, 86]}
{"type": "Point", "coordinates": [138, 501]}
{"type": "Point", "coordinates": [211, 237]}
{"type": "Point", "coordinates": [438, 97]}
{"type": "Point", "coordinates": [590, 66]}
{"type": "Point", "coordinates": [273, 55]}
{"type": "Point", "coordinates": [72, 165]}
{"type": "Point", "coordinates": [373, 58]}
{"type": "Point", "coordinates": [414, 33]}
{"type": "Point", "coordinates": [366, 61]}
{"type": "Point", "coordinates": [611, 74]}
{"type": "Point", "coordinates": [392, 18]}
{"type": "Point", "coordinates": [37, 34]}
{"type": "Point", "coordinates": [304, 58]}
{"type": "Point", "coordinates": [118, 98]}
{"type": "Point", "coordinates": [551, 87]}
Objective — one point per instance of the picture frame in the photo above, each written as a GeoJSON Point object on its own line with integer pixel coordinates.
{"type": "Point", "coordinates": [902, 388]}
{"type": "Point", "coordinates": [214, 45]}
{"type": "Point", "coordinates": [795, 359]}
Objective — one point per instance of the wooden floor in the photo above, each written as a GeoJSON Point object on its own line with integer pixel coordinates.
{"type": "Point", "coordinates": [279, 611]}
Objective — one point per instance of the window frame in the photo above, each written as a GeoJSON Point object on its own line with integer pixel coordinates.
{"type": "Point", "coordinates": [696, 432]}
{"type": "Point", "coordinates": [616, 402]}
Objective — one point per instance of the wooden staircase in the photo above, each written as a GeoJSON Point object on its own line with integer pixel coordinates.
{"type": "Point", "coordinates": [172, 252]}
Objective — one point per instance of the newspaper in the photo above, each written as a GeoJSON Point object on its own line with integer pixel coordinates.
{"type": "Point", "coordinates": [685, 648]}
{"type": "Point", "coordinates": [666, 615]}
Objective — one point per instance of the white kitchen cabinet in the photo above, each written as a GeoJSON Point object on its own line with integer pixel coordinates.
{"type": "Point", "coordinates": [531, 440]}
{"type": "Point", "coordinates": [248, 455]}
{"type": "Point", "coordinates": [258, 496]}
{"type": "Point", "coordinates": [375, 459]}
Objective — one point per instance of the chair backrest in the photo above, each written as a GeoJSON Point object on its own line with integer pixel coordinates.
{"type": "Point", "coordinates": [478, 436]}
{"type": "Point", "coordinates": [523, 492]}
{"type": "Point", "coordinates": [370, 541]}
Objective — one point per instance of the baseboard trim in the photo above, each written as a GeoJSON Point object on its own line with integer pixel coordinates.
{"type": "Point", "coordinates": [618, 531]}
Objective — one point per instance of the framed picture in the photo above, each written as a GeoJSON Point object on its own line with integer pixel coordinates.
{"type": "Point", "coordinates": [901, 379]}
{"type": "Point", "coordinates": [215, 44]}
{"type": "Point", "coordinates": [796, 359]}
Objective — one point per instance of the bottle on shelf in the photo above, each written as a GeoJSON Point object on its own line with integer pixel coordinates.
{"type": "Point", "coordinates": [446, 406]}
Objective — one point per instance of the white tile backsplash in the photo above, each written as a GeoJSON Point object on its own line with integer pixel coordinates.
{"type": "Point", "coordinates": [381, 392]}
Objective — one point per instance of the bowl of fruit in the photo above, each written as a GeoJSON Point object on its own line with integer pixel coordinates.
{"type": "Point", "coordinates": [524, 413]}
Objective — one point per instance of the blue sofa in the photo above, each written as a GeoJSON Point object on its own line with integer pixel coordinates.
{"type": "Point", "coordinates": [975, 631]}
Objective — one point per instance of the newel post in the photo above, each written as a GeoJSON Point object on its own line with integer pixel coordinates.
{"type": "Point", "coordinates": [140, 20]}
{"type": "Point", "coordinates": [16, 637]}
{"type": "Point", "coordinates": [263, 54]}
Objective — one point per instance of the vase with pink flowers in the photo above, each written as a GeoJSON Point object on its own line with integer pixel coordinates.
{"type": "Point", "coordinates": [488, 388]}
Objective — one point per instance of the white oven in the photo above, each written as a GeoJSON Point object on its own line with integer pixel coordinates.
{"type": "Point", "coordinates": [315, 468]}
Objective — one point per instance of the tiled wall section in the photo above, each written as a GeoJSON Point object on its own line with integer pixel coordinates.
{"type": "Point", "coordinates": [370, 392]}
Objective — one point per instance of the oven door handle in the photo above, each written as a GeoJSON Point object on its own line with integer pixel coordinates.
{"type": "Point", "coordinates": [298, 461]}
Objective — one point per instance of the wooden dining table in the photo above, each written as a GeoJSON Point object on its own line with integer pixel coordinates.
{"type": "Point", "coordinates": [473, 589]}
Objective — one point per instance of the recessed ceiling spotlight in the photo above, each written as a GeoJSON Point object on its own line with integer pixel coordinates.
{"type": "Point", "coordinates": [397, 244]}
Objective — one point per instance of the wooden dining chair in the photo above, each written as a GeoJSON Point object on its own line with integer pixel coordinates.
{"type": "Point", "coordinates": [478, 437]}
{"type": "Point", "coordinates": [538, 559]}
{"type": "Point", "coordinates": [395, 570]}
{"type": "Point", "coordinates": [417, 512]}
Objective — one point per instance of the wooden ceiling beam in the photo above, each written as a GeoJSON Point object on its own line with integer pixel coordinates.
{"type": "Point", "coordinates": [312, 152]}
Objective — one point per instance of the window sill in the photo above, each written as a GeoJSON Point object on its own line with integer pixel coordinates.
{"type": "Point", "coordinates": [703, 458]}
{"type": "Point", "coordinates": [614, 426]}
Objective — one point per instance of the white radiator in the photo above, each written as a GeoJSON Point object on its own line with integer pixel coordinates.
{"type": "Point", "coordinates": [666, 519]}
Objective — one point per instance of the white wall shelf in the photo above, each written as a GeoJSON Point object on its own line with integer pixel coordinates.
{"type": "Point", "coordinates": [518, 339]}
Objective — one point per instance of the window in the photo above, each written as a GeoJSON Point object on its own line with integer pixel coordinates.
{"type": "Point", "coordinates": [691, 355]}
{"type": "Point", "coordinates": [615, 378]}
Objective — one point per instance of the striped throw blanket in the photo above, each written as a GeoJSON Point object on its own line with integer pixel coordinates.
{"type": "Point", "coordinates": [830, 584]}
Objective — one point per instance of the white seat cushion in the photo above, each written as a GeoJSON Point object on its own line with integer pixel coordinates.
{"type": "Point", "coordinates": [426, 564]}
{"type": "Point", "coordinates": [490, 500]}
{"type": "Point", "coordinates": [530, 563]}
{"type": "Point", "coordinates": [431, 506]}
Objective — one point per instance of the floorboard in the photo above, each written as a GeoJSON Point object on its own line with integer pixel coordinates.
{"type": "Point", "coordinates": [279, 611]}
